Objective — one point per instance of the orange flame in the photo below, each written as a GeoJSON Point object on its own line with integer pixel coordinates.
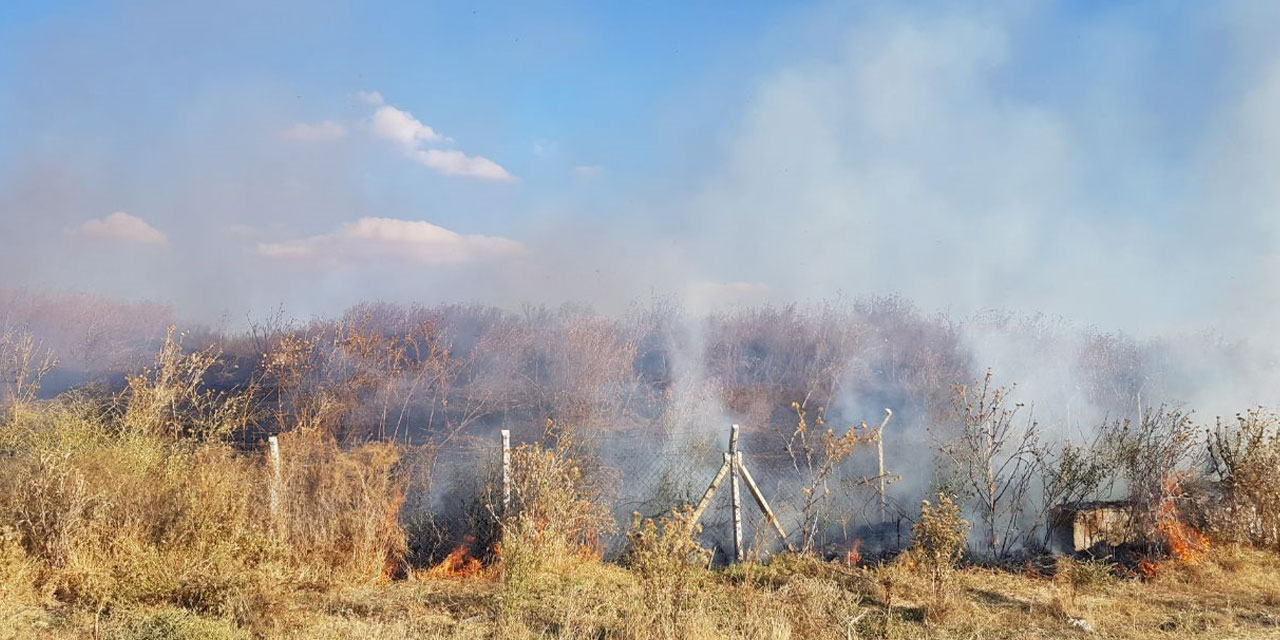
{"type": "Point", "coordinates": [1031, 571]}
{"type": "Point", "coordinates": [853, 555]}
{"type": "Point", "coordinates": [1185, 543]}
{"type": "Point", "coordinates": [459, 563]}
{"type": "Point", "coordinates": [1148, 568]}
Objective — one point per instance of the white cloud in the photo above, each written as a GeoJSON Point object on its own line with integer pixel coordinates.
{"type": "Point", "coordinates": [456, 163]}
{"type": "Point", "coordinates": [124, 228]}
{"type": "Point", "coordinates": [588, 170]}
{"type": "Point", "coordinates": [392, 240]}
{"type": "Point", "coordinates": [317, 132]}
{"type": "Point", "coordinates": [413, 137]}
{"type": "Point", "coordinates": [390, 123]}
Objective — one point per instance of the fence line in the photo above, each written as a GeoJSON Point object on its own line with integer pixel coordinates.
{"type": "Point", "coordinates": [652, 477]}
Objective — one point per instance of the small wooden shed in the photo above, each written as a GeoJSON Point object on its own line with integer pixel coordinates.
{"type": "Point", "coordinates": [1084, 526]}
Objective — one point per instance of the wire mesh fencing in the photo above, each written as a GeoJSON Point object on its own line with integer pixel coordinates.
{"type": "Point", "coordinates": [453, 491]}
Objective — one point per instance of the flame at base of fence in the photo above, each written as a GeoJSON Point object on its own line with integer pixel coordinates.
{"type": "Point", "coordinates": [460, 563]}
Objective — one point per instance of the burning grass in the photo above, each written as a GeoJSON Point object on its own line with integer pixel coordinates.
{"type": "Point", "coordinates": [460, 563]}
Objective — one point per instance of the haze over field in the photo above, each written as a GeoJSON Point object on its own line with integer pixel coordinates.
{"type": "Point", "coordinates": [405, 319]}
{"type": "Point", "coordinates": [1107, 162]}
{"type": "Point", "coordinates": [1104, 163]}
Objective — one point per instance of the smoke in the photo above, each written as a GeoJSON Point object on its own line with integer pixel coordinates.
{"type": "Point", "coordinates": [1101, 177]}
{"type": "Point", "coordinates": [1042, 158]}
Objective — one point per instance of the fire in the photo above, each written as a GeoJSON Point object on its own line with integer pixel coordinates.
{"type": "Point", "coordinates": [1030, 570]}
{"type": "Point", "coordinates": [1148, 568]}
{"type": "Point", "coordinates": [853, 555]}
{"type": "Point", "coordinates": [1185, 543]}
{"type": "Point", "coordinates": [458, 564]}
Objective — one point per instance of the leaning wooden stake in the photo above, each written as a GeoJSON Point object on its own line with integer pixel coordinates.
{"type": "Point", "coordinates": [884, 503]}
{"type": "Point", "coordinates": [736, 494]}
{"type": "Point", "coordinates": [277, 477]}
{"type": "Point", "coordinates": [710, 492]}
{"type": "Point", "coordinates": [761, 502]}
{"type": "Point", "coordinates": [732, 461]}
{"type": "Point", "coordinates": [506, 472]}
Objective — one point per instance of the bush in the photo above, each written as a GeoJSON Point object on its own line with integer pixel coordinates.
{"type": "Point", "coordinates": [110, 515]}
{"type": "Point", "coordinates": [555, 522]}
{"type": "Point", "coordinates": [340, 508]}
{"type": "Point", "coordinates": [992, 462]}
{"type": "Point", "coordinates": [1153, 456]}
{"type": "Point", "coordinates": [1081, 575]}
{"type": "Point", "coordinates": [938, 542]}
{"type": "Point", "coordinates": [670, 566]}
{"type": "Point", "coordinates": [23, 365]}
{"type": "Point", "coordinates": [173, 399]}
{"type": "Point", "coordinates": [118, 516]}
{"type": "Point", "coordinates": [1245, 459]}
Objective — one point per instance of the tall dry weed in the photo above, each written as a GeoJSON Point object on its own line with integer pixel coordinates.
{"type": "Point", "coordinates": [554, 525]}
{"type": "Point", "coordinates": [340, 508]}
{"type": "Point", "coordinates": [670, 566]}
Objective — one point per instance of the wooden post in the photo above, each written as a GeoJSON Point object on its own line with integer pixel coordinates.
{"type": "Point", "coordinates": [277, 477]}
{"type": "Point", "coordinates": [710, 492]}
{"type": "Point", "coordinates": [506, 471]}
{"type": "Point", "coordinates": [884, 503]}
{"type": "Point", "coordinates": [761, 502]}
{"type": "Point", "coordinates": [736, 492]}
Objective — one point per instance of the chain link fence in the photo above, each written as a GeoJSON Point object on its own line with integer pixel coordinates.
{"type": "Point", "coordinates": [454, 487]}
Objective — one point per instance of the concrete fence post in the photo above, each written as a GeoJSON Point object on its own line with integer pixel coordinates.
{"type": "Point", "coordinates": [736, 495]}
{"type": "Point", "coordinates": [506, 472]}
{"type": "Point", "coordinates": [277, 478]}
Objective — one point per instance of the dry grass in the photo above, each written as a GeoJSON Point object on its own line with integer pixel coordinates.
{"type": "Point", "coordinates": [117, 533]}
{"type": "Point", "coordinates": [805, 599]}
{"type": "Point", "coordinates": [98, 517]}
{"type": "Point", "coordinates": [130, 518]}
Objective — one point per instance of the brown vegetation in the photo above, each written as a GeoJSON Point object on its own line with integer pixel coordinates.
{"type": "Point", "coordinates": [152, 510]}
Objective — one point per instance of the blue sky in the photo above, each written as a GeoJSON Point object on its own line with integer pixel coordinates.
{"type": "Point", "coordinates": [1106, 161]}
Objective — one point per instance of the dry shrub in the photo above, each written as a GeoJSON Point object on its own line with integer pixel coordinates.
{"type": "Point", "coordinates": [554, 524]}
{"type": "Point", "coordinates": [818, 608]}
{"type": "Point", "coordinates": [111, 515]}
{"type": "Point", "coordinates": [18, 593]}
{"type": "Point", "coordinates": [115, 516]}
{"type": "Point", "coordinates": [938, 542]}
{"type": "Point", "coordinates": [1245, 458]}
{"type": "Point", "coordinates": [172, 397]}
{"type": "Point", "coordinates": [23, 365]}
{"type": "Point", "coordinates": [340, 508]}
{"type": "Point", "coordinates": [1081, 575]}
{"type": "Point", "coordinates": [992, 462]}
{"type": "Point", "coordinates": [1152, 456]}
{"type": "Point", "coordinates": [366, 376]}
{"type": "Point", "coordinates": [573, 367]}
{"type": "Point", "coordinates": [670, 565]}
{"type": "Point", "coordinates": [816, 451]}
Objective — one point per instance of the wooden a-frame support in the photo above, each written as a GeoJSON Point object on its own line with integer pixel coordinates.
{"type": "Point", "coordinates": [733, 462]}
